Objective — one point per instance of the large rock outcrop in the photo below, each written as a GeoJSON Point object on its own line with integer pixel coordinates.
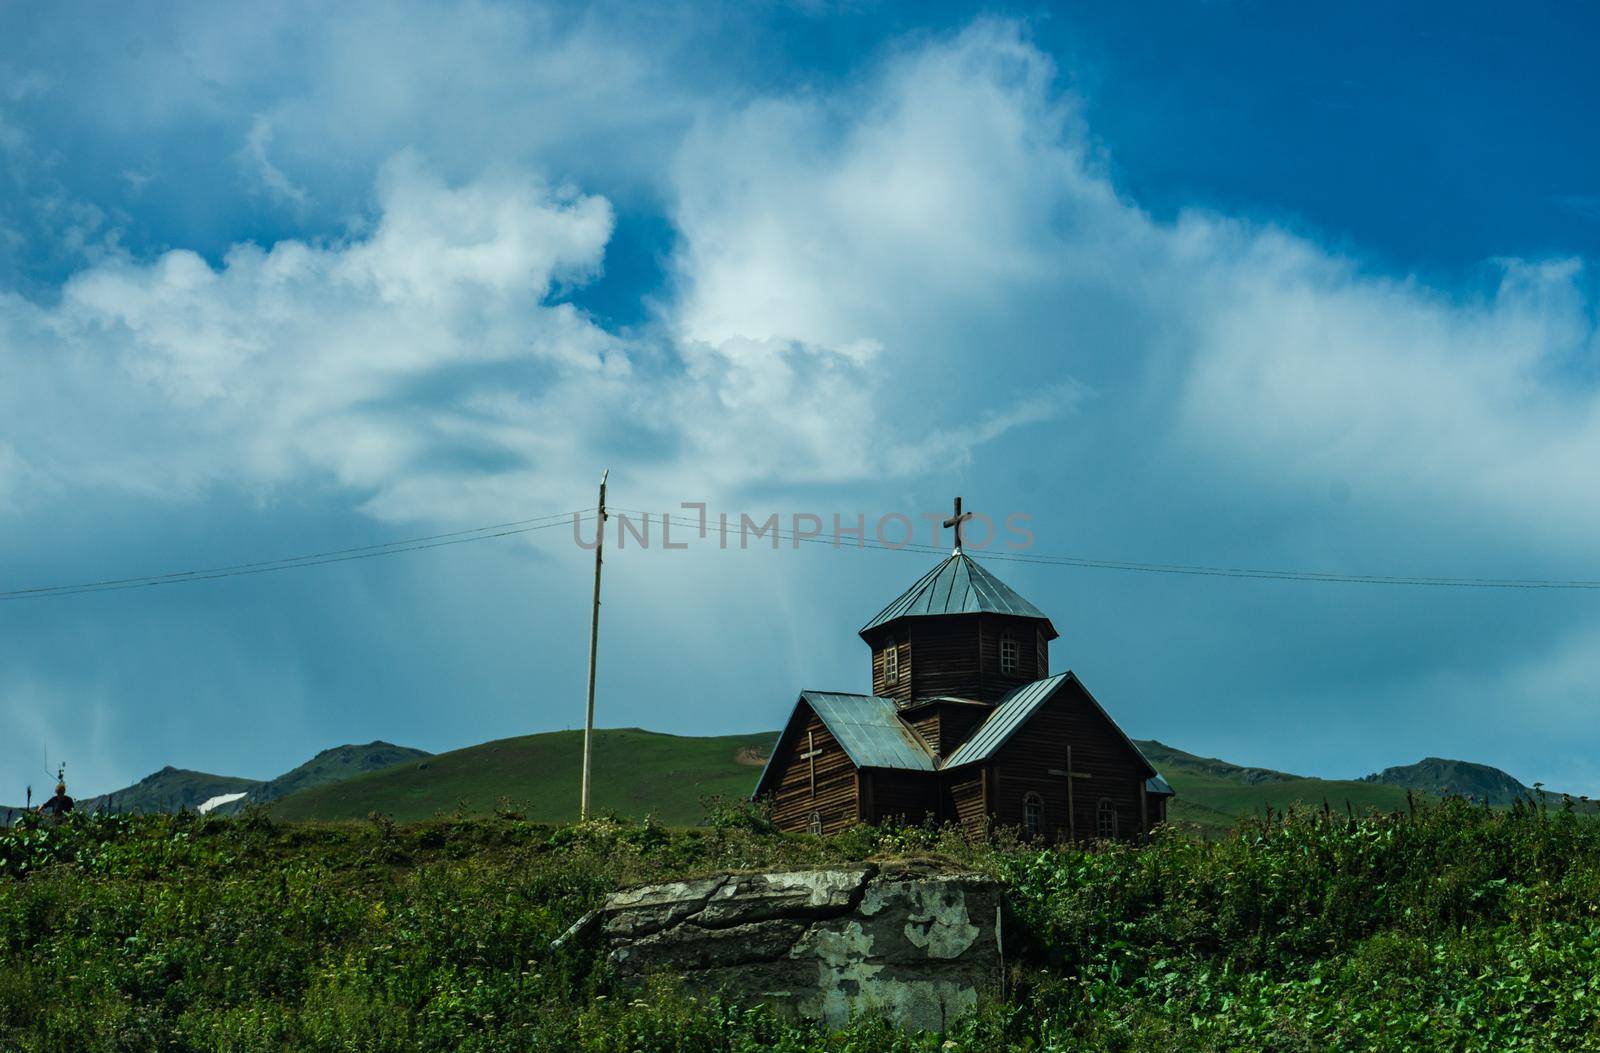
{"type": "Point", "coordinates": [915, 942]}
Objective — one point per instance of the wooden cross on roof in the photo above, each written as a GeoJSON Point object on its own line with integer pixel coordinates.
{"type": "Point", "coordinates": [955, 521]}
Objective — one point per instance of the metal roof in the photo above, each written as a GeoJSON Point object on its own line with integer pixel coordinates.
{"type": "Point", "coordinates": [1012, 712]}
{"type": "Point", "coordinates": [870, 730]}
{"type": "Point", "coordinates": [959, 585]}
{"type": "Point", "coordinates": [873, 735]}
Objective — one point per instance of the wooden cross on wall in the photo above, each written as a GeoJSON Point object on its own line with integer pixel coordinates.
{"type": "Point", "coordinates": [811, 754]}
{"type": "Point", "coordinates": [955, 521]}
{"type": "Point", "coordinates": [1068, 774]}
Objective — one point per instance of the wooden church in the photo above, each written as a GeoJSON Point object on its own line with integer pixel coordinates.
{"type": "Point", "coordinates": [965, 723]}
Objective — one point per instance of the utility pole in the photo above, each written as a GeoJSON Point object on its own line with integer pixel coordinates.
{"type": "Point", "coordinates": [594, 645]}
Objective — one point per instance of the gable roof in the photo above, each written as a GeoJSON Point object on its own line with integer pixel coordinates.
{"type": "Point", "coordinates": [870, 730]}
{"type": "Point", "coordinates": [1016, 709]}
{"type": "Point", "coordinates": [959, 585]}
{"type": "Point", "coordinates": [867, 727]}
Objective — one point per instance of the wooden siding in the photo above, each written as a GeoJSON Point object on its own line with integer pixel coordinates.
{"type": "Point", "coordinates": [900, 690]}
{"type": "Point", "coordinates": [944, 726]}
{"type": "Point", "coordinates": [836, 797]}
{"type": "Point", "coordinates": [968, 804]}
{"type": "Point", "coordinates": [945, 656]}
{"type": "Point", "coordinates": [900, 796]}
{"type": "Point", "coordinates": [957, 655]}
{"type": "Point", "coordinates": [1115, 772]}
{"type": "Point", "coordinates": [993, 683]}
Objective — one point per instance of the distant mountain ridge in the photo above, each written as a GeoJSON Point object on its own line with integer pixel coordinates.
{"type": "Point", "coordinates": [177, 789]}
{"type": "Point", "coordinates": [330, 766]}
{"type": "Point", "coordinates": [168, 790]}
{"type": "Point", "coordinates": [1454, 778]}
{"type": "Point", "coordinates": [1163, 756]}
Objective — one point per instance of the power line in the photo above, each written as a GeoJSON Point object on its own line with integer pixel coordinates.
{"type": "Point", "coordinates": [314, 559]}
{"type": "Point", "coordinates": [553, 519]}
{"type": "Point", "coordinates": [1194, 570]}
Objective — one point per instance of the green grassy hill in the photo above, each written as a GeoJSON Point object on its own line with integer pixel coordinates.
{"type": "Point", "coordinates": [640, 773]}
{"type": "Point", "coordinates": [1213, 793]}
{"type": "Point", "coordinates": [636, 773]}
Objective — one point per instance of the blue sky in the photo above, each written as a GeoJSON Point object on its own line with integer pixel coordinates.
{"type": "Point", "coordinates": [1192, 283]}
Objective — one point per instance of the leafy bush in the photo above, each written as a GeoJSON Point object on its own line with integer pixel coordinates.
{"type": "Point", "coordinates": [1455, 928]}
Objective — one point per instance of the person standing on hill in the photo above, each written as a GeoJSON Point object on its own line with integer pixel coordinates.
{"type": "Point", "coordinates": [60, 804]}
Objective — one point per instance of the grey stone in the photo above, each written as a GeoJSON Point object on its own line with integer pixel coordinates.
{"type": "Point", "coordinates": [915, 942]}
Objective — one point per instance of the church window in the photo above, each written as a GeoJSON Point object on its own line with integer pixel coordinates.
{"type": "Point", "coordinates": [1042, 655]}
{"type": "Point", "coordinates": [891, 663]}
{"type": "Point", "coordinates": [1032, 814]}
{"type": "Point", "coordinates": [1008, 654]}
{"type": "Point", "coordinates": [814, 823]}
{"type": "Point", "coordinates": [1105, 819]}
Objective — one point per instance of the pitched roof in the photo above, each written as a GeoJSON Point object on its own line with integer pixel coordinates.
{"type": "Point", "coordinates": [959, 585]}
{"type": "Point", "coordinates": [869, 729]}
{"type": "Point", "coordinates": [873, 735]}
{"type": "Point", "coordinates": [1015, 709]}
{"type": "Point", "coordinates": [1012, 712]}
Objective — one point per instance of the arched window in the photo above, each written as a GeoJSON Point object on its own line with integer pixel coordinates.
{"type": "Point", "coordinates": [891, 663]}
{"type": "Point", "coordinates": [1032, 814]}
{"type": "Point", "coordinates": [814, 823]}
{"type": "Point", "coordinates": [1008, 654]}
{"type": "Point", "coordinates": [1105, 819]}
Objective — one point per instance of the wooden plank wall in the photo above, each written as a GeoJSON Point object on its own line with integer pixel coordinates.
{"type": "Point", "coordinates": [966, 796]}
{"type": "Point", "coordinates": [957, 655]}
{"type": "Point", "coordinates": [1022, 765]}
{"type": "Point", "coordinates": [836, 795]}
{"type": "Point", "coordinates": [1029, 640]}
{"type": "Point", "coordinates": [946, 651]}
{"type": "Point", "coordinates": [944, 726]}
{"type": "Point", "coordinates": [900, 690]}
{"type": "Point", "coordinates": [902, 796]}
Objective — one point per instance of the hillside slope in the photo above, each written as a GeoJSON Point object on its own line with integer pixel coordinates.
{"type": "Point", "coordinates": [330, 766]}
{"type": "Point", "coordinates": [636, 773]}
{"type": "Point", "coordinates": [1213, 793]}
{"type": "Point", "coordinates": [640, 773]}
{"type": "Point", "coordinates": [1443, 778]}
{"type": "Point", "coordinates": [168, 790]}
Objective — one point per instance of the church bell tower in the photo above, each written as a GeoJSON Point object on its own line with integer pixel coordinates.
{"type": "Point", "coordinates": [958, 635]}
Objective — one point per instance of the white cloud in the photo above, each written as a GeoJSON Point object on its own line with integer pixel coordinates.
{"type": "Point", "coordinates": [304, 359]}
{"type": "Point", "coordinates": [877, 281]}
{"type": "Point", "coordinates": [950, 216]}
{"type": "Point", "coordinates": [254, 153]}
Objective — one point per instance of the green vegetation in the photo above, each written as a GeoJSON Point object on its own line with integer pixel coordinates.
{"type": "Point", "coordinates": [636, 773]}
{"type": "Point", "coordinates": [1459, 928]}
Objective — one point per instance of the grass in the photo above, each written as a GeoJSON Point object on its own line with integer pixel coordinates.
{"type": "Point", "coordinates": [643, 773]}
{"type": "Point", "coordinates": [1457, 928]}
{"type": "Point", "coordinates": [636, 773]}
